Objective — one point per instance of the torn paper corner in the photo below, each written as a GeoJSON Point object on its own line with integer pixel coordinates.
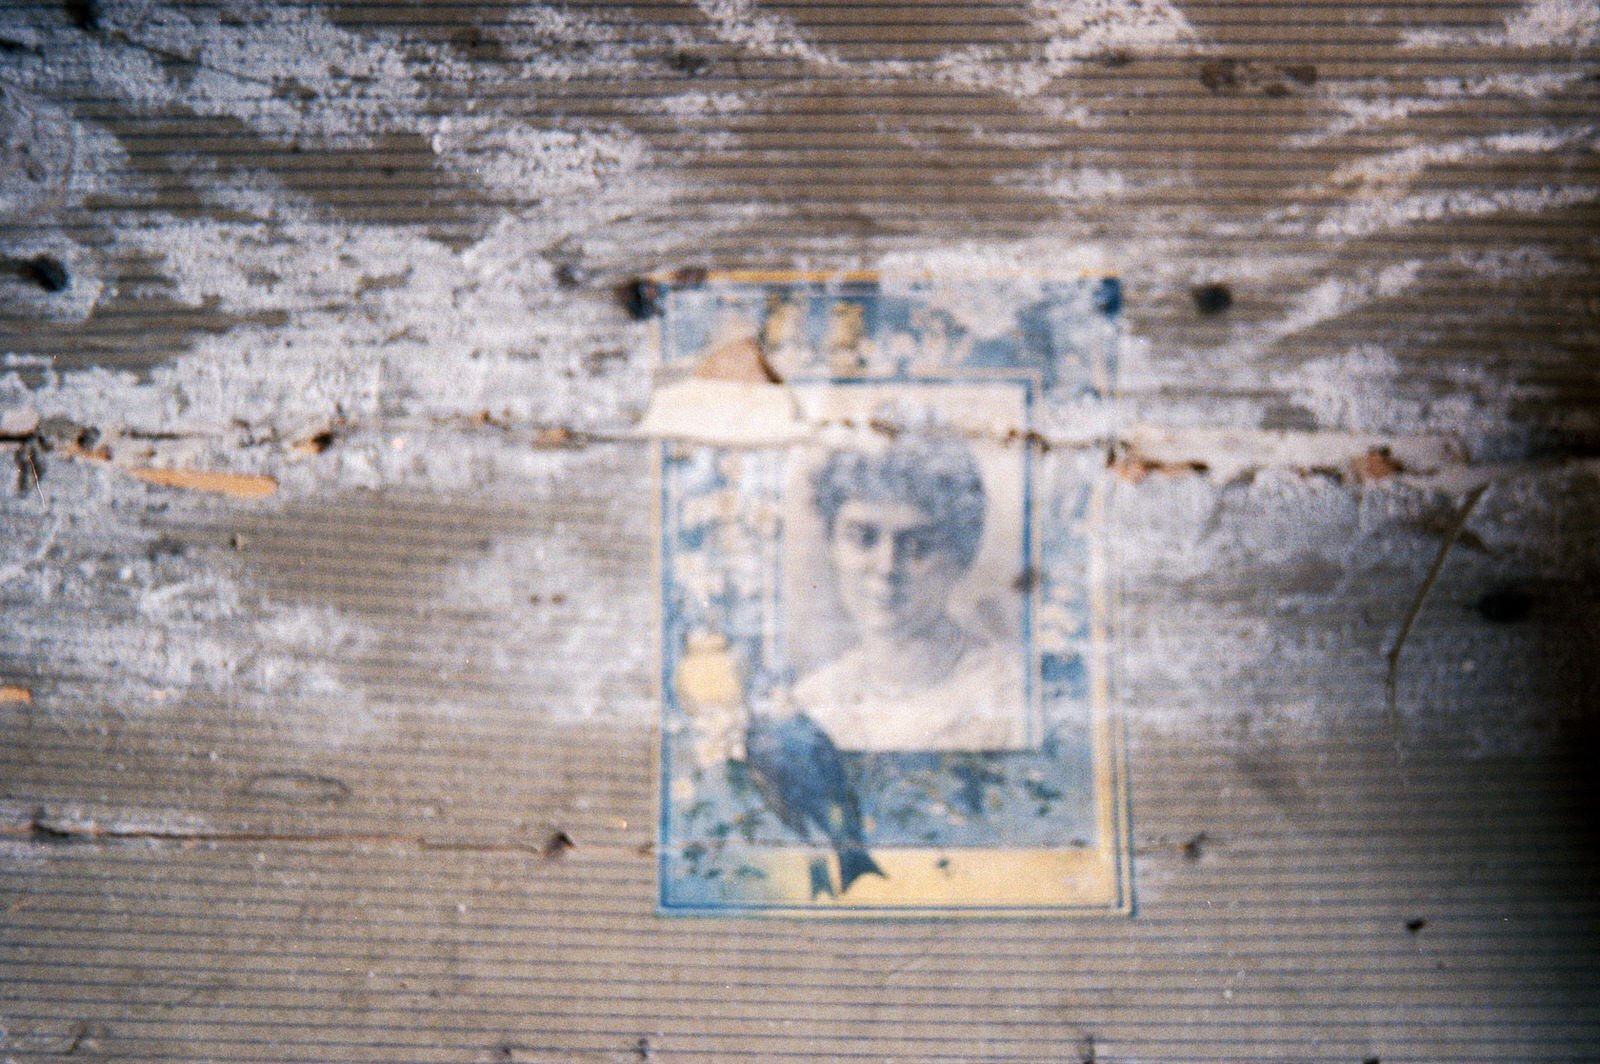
{"type": "Point", "coordinates": [723, 413]}
{"type": "Point", "coordinates": [738, 360]}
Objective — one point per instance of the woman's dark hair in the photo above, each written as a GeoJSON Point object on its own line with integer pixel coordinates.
{"type": "Point", "coordinates": [935, 473]}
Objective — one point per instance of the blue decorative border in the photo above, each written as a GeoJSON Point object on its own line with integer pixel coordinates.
{"type": "Point", "coordinates": [735, 826]}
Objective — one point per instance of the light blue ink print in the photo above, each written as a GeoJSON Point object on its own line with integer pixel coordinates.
{"type": "Point", "coordinates": [884, 673]}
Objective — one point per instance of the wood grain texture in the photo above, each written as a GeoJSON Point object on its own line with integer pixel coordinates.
{"type": "Point", "coordinates": [292, 775]}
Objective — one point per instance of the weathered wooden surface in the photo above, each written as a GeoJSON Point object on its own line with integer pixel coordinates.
{"type": "Point", "coordinates": [288, 778]}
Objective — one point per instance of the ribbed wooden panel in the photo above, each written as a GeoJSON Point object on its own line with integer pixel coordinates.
{"type": "Point", "coordinates": [313, 822]}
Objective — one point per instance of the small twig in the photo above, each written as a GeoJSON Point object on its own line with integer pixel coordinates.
{"type": "Point", "coordinates": [1392, 679]}
{"type": "Point", "coordinates": [33, 469]}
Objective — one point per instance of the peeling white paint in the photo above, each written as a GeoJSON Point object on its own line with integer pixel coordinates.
{"type": "Point", "coordinates": [1072, 33]}
{"type": "Point", "coordinates": [746, 24]}
{"type": "Point", "coordinates": [1070, 185]}
{"type": "Point", "coordinates": [1334, 297]}
{"type": "Point", "coordinates": [522, 163]}
{"type": "Point", "coordinates": [1528, 85]}
{"type": "Point", "coordinates": [1066, 36]}
{"type": "Point", "coordinates": [1363, 106]}
{"type": "Point", "coordinates": [704, 104]}
{"type": "Point", "coordinates": [1536, 24]}
{"type": "Point", "coordinates": [1398, 168]}
{"type": "Point", "coordinates": [101, 597]}
{"type": "Point", "coordinates": [438, 360]}
{"type": "Point", "coordinates": [1366, 218]}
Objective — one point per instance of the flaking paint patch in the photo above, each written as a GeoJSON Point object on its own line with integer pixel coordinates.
{"type": "Point", "coordinates": [1367, 218]}
{"type": "Point", "coordinates": [38, 145]}
{"type": "Point", "coordinates": [1375, 102]}
{"type": "Point", "coordinates": [403, 356]}
{"type": "Point", "coordinates": [746, 24]}
{"type": "Point", "coordinates": [1067, 35]}
{"type": "Point", "coordinates": [1525, 263]}
{"type": "Point", "coordinates": [511, 159]}
{"type": "Point", "coordinates": [1535, 85]}
{"type": "Point", "coordinates": [292, 77]}
{"type": "Point", "coordinates": [1072, 34]}
{"type": "Point", "coordinates": [1537, 24]}
{"type": "Point", "coordinates": [705, 104]}
{"type": "Point", "coordinates": [444, 366]}
{"type": "Point", "coordinates": [1365, 390]}
{"type": "Point", "coordinates": [51, 160]}
{"type": "Point", "coordinates": [558, 45]}
{"type": "Point", "coordinates": [1074, 184]}
{"type": "Point", "coordinates": [1312, 551]}
{"type": "Point", "coordinates": [1400, 167]}
{"type": "Point", "coordinates": [255, 62]}
{"type": "Point", "coordinates": [521, 348]}
{"type": "Point", "coordinates": [91, 588]}
{"type": "Point", "coordinates": [1360, 390]}
{"type": "Point", "coordinates": [1335, 297]}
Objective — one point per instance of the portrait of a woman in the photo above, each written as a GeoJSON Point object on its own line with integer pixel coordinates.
{"type": "Point", "coordinates": [903, 524]}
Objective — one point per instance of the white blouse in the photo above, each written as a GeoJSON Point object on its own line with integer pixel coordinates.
{"type": "Point", "coordinates": [978, 704]}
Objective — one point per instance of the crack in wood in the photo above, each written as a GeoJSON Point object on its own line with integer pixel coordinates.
{"type": "Point", "coordinates": [42, 830]}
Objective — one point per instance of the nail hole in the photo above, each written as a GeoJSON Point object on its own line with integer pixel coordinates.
{"type": "Point", "coordinates": [47, 272]}
{"type": "Point", "coordinates": [1505, 605]}
{"type": "Point", "coordinates": [85, 14]}
{"type": "Point", "coordinates": [1210, 299]}
{"type": "Point", "coordinates": [642, 299]}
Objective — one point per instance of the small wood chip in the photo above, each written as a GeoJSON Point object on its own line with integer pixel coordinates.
{"type": "Point", "coordinates": [239, 485]}
{"type": "Point", "coordinates": [101, 453]}
{"type": "Point", "coordinates": [1135, 470]}
{"type": "Point", "coordinates": [1376, 464]}
{"type": "Point", "coordinates": [316, 443]}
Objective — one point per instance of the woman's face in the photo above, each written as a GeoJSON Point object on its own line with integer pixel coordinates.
{"type": "Point", "coordinates": [895, 575]}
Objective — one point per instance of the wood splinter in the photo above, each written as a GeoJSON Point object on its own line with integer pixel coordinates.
{"type": "Point", "coordinates": [238, 485]}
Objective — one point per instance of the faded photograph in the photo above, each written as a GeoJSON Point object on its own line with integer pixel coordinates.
{"type": "Point", "coordinates": [907, 622]}
{"type": "Point", "coordinates": [882, 667]}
